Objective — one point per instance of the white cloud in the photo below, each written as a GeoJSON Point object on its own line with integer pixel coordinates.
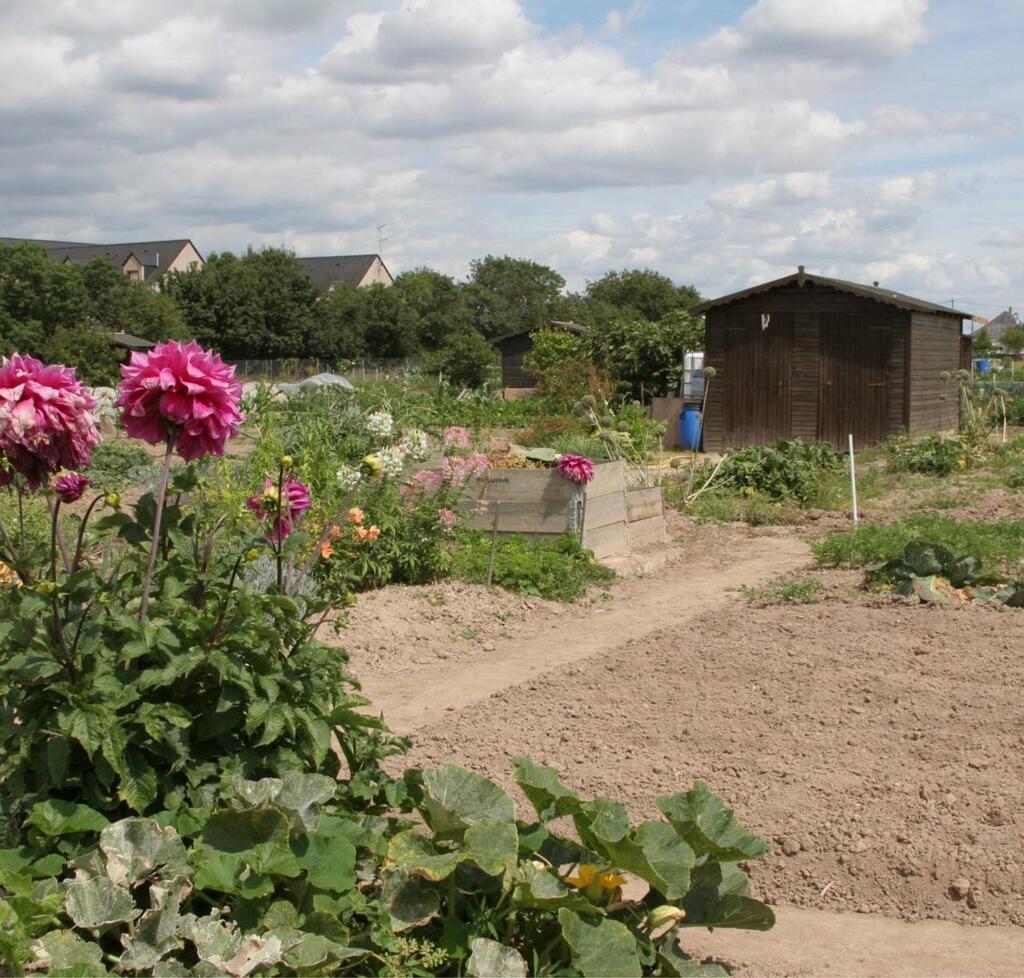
{"type": "Point", "coordinates": [616, 20]}
{"type": "Point", "coordinates": [856, 30]}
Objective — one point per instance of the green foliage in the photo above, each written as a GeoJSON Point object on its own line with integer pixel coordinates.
{"type": "Point", "coordinates": [559, 571]}
{"type": "Point", "coordinates": [120, 462]}
{"type": "Point", "coordinates": [438, 304]}
{"type": "Point", "coordinates": [789, 469]}
{"type": "Point", "coordinates": [805, 590]}
{"type": "Point", "coordinates": [560, 366]}
{"type": "Point", "coordinates": [86, 348]}
{"type": "Point", "coordinates": [506, 295]}
{"type": "Point", "coordinates": [466, 360]}
{"type": "Point", "coordinates": [643, 293]}
{"type": "Point", "coordinates": [981, 344]}
{"type": "Point", "coordinates": [117, 304]}
{"type": "Point", "coordinates": [1012, 339]}
{"type": "Point", "coordinates": [275, 876]}
{"type": "Point", "coordinates": [935, 454]}
{"type": "Point", "coordinates": [998, 545]}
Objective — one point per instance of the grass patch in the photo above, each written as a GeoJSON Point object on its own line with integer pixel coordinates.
{"type": "Point", "coordinates": [999, 545]}
{"type": "Point", "coordinates": [118, 462]}
{"type": "Point", "coordinates": [805, 590]}
{"type": "Point", "coordinates": [724, 506]}
{"type": "Point", "coordinates": [558, 571]}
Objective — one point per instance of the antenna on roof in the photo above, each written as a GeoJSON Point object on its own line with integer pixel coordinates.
{"type": "Point", "coordinates": [381, 238]}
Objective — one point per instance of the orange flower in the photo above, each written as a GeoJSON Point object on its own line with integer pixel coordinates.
{"type": "Point", "coordinates": [334, 531]}
{"type": "Point", "coordinates": [355, 516]}
{"type": "Point", "coordinates": [326, 550]}
{"type": "Point", "coordinates": [362, 534]}
{"type": "Point", "coordinates": [373, 533]}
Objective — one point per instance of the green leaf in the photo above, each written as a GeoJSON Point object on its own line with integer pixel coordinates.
{"type": "Point", "coordinates": [489, 959]}
{"type": "Point", "coordinates": [926, 560]}
{"type": "Point", "coordinates": [56, 817]}
{"type": "Point", "coordinates": [138, 787]}
{"type": "Point", "coordinates": [601, 948]}
{"type": "Point", "coordinates": [719, 898]}
{"type": "Point", "coordinates": [537, 886]}
{"type": "Point", "coordinates": [329, 861]}
{"type": "Point", "coordinates": [300, 793]}
{"type": "Point", "coordinates": [68, 954]}
{"type": "Point", "coordinates": [709, 826]}
{"type": "Point", "coordinates": [229, 873]}
{"type": "Point", "coordinates": [238, 831]}
{"type": "Point", "coordinates": [413, 853]}
{"type": "Point", "coordinates": [492, 845]}
{"type": "Point", "coordinates": [98, 902]}
{"type": "Point", "coordinates": [58, 751]}
{"type": "Point", "coordinates": [963, 570]}
{"type": "Point", "coordinates": [409, 900]}
{"type": "Point", "coordinates": [676, 963]}
{"type": "Point", "coordinates": [541, 785]}
{"type": "Point", "coordinates": [655, 853]}
{"type": "Point", "coordinates": [600, 821]}
{"type": "Point", "coordinates": [455, 798]}
{"type": "Point", "coordinates": [314, 954]}
{"type": "Point", "coordinates": [135, 847]}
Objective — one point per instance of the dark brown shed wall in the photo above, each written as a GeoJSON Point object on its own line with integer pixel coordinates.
{"type": "Point", "coordinates": [512, 352]}
{"type": "Point", "coordinates": [935, 347]}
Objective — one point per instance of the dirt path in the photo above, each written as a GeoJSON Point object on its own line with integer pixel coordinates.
{"type": "Point", "coordinates": [417, 697]}
{"type": "Point", "coordinates": [847, 945]}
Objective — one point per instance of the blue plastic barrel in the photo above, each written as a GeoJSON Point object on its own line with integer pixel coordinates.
{"type": "Point", "coordinates": [984, 366]}
{"type": "Point", "coordinates": [690, 428]}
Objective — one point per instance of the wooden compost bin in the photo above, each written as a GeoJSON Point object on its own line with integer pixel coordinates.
{"type": "Point", "coordinates": [609, 517]}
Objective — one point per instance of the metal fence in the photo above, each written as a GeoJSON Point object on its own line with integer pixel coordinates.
{"type": "Point", "coordinates": [296, 368]}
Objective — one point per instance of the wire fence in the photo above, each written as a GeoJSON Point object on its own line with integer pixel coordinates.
{"type": "Point", "coordinates": [292, 369]}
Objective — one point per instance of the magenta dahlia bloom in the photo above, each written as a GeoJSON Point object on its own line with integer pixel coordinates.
{"type": "Point", "coordinates": [576, 468]}
{"type": "Point", "coordinates": [46, 420]}
{"type": "Point", "coordinates": [180, 391]}
{"type": "Point", "coordinates": [71, 486]}
{"type": "Point", "coordinates": [285, 510]}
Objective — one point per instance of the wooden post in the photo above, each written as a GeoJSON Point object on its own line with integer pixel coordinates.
{"type": "Point", "coordinates": [853, 483]}
{"type": "Point", "coordinates": [494, 544]}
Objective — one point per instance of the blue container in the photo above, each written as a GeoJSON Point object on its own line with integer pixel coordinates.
{"type": "Point", "coordinates": [690, 428]}
{"type": "Point", "coordinates": [984, 366]}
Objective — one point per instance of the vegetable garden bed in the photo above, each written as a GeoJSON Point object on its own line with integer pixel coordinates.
{"type": "Point", "coordinates": [609, 517]}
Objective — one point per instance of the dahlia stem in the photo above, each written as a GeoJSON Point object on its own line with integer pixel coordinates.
{"type": "Point", "coordinates": [57, 541]}
{"type": "Point", "coordinates": [81, 532]}
{"type": "Point", "coordinates": [165, 475]}
{"type": "Point", "coordinates": [279, 545]}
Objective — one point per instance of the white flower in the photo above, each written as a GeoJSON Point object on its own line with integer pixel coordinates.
{"type": "Point", "coordinates": [348, 477]}
{"type": "Point", "coordinates": [392, 460]}
{"type": "Point", "coordinates": [380, 424]}
{"type": "Point", "coordinates": [416, 444]}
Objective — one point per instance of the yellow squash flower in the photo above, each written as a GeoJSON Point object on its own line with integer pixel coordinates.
{"type": "Point", "coordinates": [595, 884]}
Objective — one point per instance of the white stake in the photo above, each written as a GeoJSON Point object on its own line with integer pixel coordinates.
{"type": "Point", "coordinates": [853, 483]}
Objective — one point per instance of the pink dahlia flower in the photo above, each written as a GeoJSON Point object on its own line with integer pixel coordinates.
{"type": "Point", "coordinates": [285, 510]}
{"type": "Point", "coordinates": [180, 391]}
{"type": "Point", "coordinates": [71, 486]}
{"type": "Point", "coordinates": [46, 420]}
{"type": "Point", "coordinates": [576, 468]}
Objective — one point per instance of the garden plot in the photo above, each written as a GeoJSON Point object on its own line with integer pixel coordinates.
{"type": "Point", "coordinates": [877, 745]}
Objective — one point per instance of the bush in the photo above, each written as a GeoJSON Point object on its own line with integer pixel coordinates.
{"type": "Point", "coordinates": [933, 454]}
{"type": "Point", "coordinates": [466, 360]}
{"type": "Point", "coordinates": [559, 571]}
{"type": "Point", "coordinates": [118, 462]}
{"type": "Point", "coordinates": [790, 469]}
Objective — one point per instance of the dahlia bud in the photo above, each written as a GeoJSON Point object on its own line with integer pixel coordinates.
{"type": "Point", "coordinates": [287, 461]}
{"type": "Point", "coordinates": [252, 554]}
{"type": "Point", "coordinates": [46, 587]}
{"type": "Point", "coordinates": [373, 464]}
{"type": "Point", "coordinates": [113, 500]}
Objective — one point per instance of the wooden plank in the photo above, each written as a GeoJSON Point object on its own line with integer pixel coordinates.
{"type": "Point", "coordinates": [606, 540]}
{"type": "Point", "coordinates": [610, 508]}
{"type": "Point", "coordinates": [517, 516]}
{"type": "Point", "coordinates": [608, 477]}
{"type": "Point", "coordinates": [668, 409]}
{"type": "Point", "coordinates": [644, 532]}
{"type": "Point", "coordinates": [643, 503]}
{"type": "Point", "coordinates": [520, 484]}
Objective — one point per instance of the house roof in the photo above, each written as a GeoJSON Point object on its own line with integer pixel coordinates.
{"type": "Point", "coordinates": [328, 270]}
{"type": "Point", "coordinates": [560, 325]}
{"type": "Point", "coordinates": [995, 327]}
{"type": "Point", "coordinates": [154, 256]}
{"type": "Point", "coordinates": [801, 277]}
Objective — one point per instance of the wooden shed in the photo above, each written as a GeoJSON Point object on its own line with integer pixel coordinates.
{"type": "Point", "coordinates": [514, 346]}
{"type": "Point", "coordinates": [820, 359]}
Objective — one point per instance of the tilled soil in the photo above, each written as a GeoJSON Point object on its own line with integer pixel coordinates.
{"type": "Point", "coordinates": [878, 746]}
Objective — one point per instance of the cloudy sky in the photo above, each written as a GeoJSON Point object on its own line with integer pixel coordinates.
{"type": "Point", "coordinates": [719, 141]}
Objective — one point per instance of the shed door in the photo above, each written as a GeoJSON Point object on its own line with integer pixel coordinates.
{"type": "Point", "coordinates": [756, 378]}
{"type": "Point", "coordinates": [854, 380]}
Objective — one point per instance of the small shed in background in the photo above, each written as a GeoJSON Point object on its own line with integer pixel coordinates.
{"type": "Point", "coordinates": [820, 358]}
{"type": "Point", "coordinates": [514, 346]}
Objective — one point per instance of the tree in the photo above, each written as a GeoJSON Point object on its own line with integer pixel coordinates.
{"type": "Point", "coordinates": [981, 344]}
{"type": "Point", "coordinates": [338, 330]}
{"type": "Point", "coordinates": [1012, 339]}
{"type": "Point", "coordinates": [643, 293]}
{"type": "Point", "coordinates": [506, 294]}
{"type": "Point", "coordinates": [387, 324]}
{"type": "Point", "coordinates": [466, 360]}
{"type": "Point", "coordinates": [258, 306]}
{"type": "Point", "coordinates": [117, 304]}
{"type": "Point", "coordinates": [438, 305]}
{"type": "Point", "coordinates": [35, 289]}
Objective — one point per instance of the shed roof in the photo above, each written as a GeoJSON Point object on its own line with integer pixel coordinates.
{"type": "Point", "coordinates": [329, 270]}
{"type": "Point", "coordinates": [130, 342]}
{"type": "Point", "coordinates": [800, 278]}
{"type": "Point", "coordinates": [559, 325]}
